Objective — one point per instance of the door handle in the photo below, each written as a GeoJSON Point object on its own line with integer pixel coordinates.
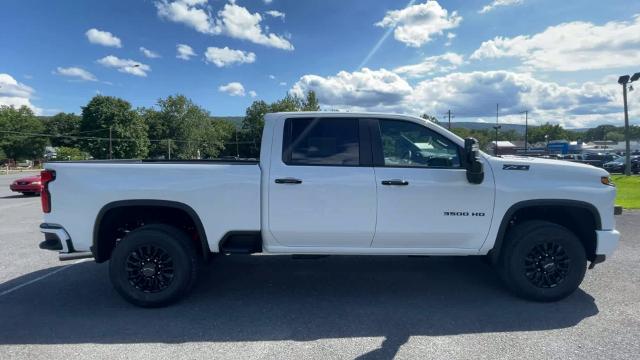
{"type": "Point", "coordinates": [395, 182]}
{"type": "Point", "coordinates": [288, 181]}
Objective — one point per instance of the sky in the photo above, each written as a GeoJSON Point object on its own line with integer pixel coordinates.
{"type": "Point", "coordinates": [558, 60]}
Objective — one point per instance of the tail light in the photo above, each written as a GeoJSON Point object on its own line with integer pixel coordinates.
{"type": "Point", "coordinates": [46, 177]}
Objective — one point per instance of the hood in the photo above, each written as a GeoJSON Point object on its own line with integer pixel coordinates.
{"type": "Point", "coordinates": [29, 178]}
{"type": "Point", "coordinates": [537, 165]}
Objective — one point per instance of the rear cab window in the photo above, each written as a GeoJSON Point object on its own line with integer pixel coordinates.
{"type": "Point", "coordinates": [322, 141]}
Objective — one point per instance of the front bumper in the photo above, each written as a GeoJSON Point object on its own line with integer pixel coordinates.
{"type": "Point", "coordinates": [57, 238]}
{"type": "Point", "coordinates": [25, 188]}
{"type": "Point", "coordinates": [607, 241]}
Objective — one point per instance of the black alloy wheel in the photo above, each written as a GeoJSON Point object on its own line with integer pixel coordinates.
{"type": "Point", "coordinates": [547, 265]}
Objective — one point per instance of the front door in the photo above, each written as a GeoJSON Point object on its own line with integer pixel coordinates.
{"type": "Point", "coordinates": [322, 192]}
{"type": "Point", "coordinates": [424, 198]}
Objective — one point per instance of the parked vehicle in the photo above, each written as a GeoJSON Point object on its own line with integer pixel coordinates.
{"type": "Point", "coordinates": [30, 185]}
{"type": "Point", "coordinates": [333, 184]}
{"type": "Point", "coordinates": [599, 159]}
{"type": "Point", "coordinates": [619, 165]}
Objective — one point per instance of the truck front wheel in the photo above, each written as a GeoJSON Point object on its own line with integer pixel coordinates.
{"type": "Point", "coordinates": [153, 266]}
{"type": "Point", "coordinates": [542, 261]}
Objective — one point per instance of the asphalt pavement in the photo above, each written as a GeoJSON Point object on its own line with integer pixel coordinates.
{"type": "Point", "coordinates": [276, 307]}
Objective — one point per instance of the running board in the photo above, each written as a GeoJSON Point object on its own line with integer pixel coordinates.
{"type": "Point", "coordinates": [75, 256]}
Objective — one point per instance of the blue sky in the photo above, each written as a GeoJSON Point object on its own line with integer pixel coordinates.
{"type": "Point", "coordinates": [557, 59]}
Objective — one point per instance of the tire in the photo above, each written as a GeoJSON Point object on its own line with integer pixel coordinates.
{"type": "Point", "coordinates": [28, 193]}
{"type": "Point", "coordinates": [530, 274]}
{"type": "Point", "coordinates": [154, 266]}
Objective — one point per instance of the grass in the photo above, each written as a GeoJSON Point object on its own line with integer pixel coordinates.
{"type": "Point", "coordinates": [628, 191]}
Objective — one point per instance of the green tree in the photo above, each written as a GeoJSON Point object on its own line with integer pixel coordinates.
{"type": "Point", "coordinates": [184, 127]}
{"type": "Point", "coordinates": [252, 126]}
{"type": "Point", "coordinates": [15, 127]}
{"type": "Point", "coordinates": [70, 153]}
{"type": "Point", "coordinates": [254, 117]}
{"type": "Point", "coordinates": [428, 117]}
{"type": "Point", "coordinates": [311, 102]}
{"type": "Point", "coordinates": [66, 124]}
{"type": "Point", "coordinates": [554, 132]}
{"type": "Point", "coordinates": [128, 129]}
{"type": "Point", "coordinates": [598, 133]}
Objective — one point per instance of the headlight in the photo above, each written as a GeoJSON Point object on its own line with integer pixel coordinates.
{"type": "Point", "coordinates": [35, 183]}
{"type": "Point", "coordinates": [606, 180]}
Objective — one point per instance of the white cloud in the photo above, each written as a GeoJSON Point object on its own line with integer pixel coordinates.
{"type": "Point", "coordinates": [127, 66]}
{"type": "Point", "coordinates": [468, 95]}
{"type": "Point", "coordinates": [497, 3]}
{"type": "Point", "coordinates": [76, 72]}
{"type": "Point", "coordinates": [192, 13]}
{"type": "Point", "coordinates": [237, 22]}
{"type": "Point", "coordinates": [272, 77]}
{"type": "Point", "coordinates": [450, 37]}
{"type": "Point", "coordinates": [104, 38]}
{"type": "Point", "coordinates": [268, 1]}
{"type": "Point", "coordinates": [432, 64]}
{"type": "Point", "coordinates": [571, 46]}
{"type": "Point", "coordinates": [233, 20]}
{"type": "Point", "coordinates": [13, 93]}
{"type": "Point", "coordinates": [232, 88]}
{"type": "Point", "coordinates": [253, 94]}
{"type": "Point", "coordinates": [185, 52]}
{"type": "Point", "coordinates": [476, 93]}
{"type": "Point", "coordinates": [364, 89]}
{"type": "Point", "coordinates": [149, 53]}
{"type": "Point", "coordinates": [283, 83]}
{"type": "Point", "coordinates": [276, 14]}
{"type": "Point", "coordinates": [222, 57]}
{"type": "Point", "coordinates": [418, 24]}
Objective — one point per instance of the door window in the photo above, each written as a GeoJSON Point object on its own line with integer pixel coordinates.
{"type": "Point", "coordinates": [407, 144]}
{"type": "Point", "coordinates": [321, 141]}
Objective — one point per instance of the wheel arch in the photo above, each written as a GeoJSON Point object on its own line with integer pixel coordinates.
{"type": "Point", "coordinates": [549, 209]}
{"type": "Point", "coordinates": [102, 250]}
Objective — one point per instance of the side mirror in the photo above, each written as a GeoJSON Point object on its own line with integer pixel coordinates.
{"type": "Point", "coordinates": [475, 169]}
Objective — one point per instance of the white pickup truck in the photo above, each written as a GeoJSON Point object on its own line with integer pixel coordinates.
{"type": "Point", "coordinates": [333, 184]}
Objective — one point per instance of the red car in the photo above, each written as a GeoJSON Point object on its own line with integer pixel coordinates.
{"type": "Point", "coordinates": [28, 185]}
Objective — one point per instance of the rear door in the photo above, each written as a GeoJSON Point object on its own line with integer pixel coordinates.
{"type": "Point", "coordinates": [424, 198]}
{"type": "Point", "coordinates": [322, 190]}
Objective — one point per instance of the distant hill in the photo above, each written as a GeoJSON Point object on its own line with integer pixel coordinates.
{"type": "Point", "coordinates": [484, 126]}
{"type": "Point", "coordinates": [519, 128]}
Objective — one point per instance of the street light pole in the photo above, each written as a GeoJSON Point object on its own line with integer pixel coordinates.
{"type": "Point", "coordinates": [624, 80]}
{"type": "Point", "coordinates": [110, 144]}
{"type": "Point", "coordinates": [627, 146]}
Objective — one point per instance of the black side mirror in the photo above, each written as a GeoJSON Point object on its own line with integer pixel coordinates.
{"type": "Point", "coordinates": [475, 169]}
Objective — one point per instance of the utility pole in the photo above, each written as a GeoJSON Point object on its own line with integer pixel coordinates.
{"type": "Point", "coordinates": [526, 131]}
{"type": "Point", "coordinates": [169, 148]}
{"type": "Point", "coordinates": [497, 126]}
{"type": "Point", "coordinates": [110, 143]}
{"type": "Point", "coordinates": [237, 145]}
{"type": "Point", "coordinates": [449, 114]}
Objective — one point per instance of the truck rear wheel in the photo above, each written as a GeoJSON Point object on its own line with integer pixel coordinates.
{"type": "Point", "coordinates": [542, 261]}
{"type": "Point", "coordinates": [153, 266]}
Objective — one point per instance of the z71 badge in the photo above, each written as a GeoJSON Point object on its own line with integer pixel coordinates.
{"type": "Point", "coordinates": [515, 167]}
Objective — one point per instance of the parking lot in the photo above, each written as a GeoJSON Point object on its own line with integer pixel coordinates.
{"type": "Point", "coordinates": [276, 307]}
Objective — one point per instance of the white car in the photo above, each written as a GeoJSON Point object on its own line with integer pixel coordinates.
{"type": "Point", "coordinates": [333, 183]}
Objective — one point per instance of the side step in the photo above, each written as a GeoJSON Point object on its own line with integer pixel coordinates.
{"type": "Point", "coordinates": [241, 242]}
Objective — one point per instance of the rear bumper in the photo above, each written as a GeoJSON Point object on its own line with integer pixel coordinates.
{"type": "Point", "coordinates": [57, 238]}
{"type": "Point", "coordinates": [607, 241]}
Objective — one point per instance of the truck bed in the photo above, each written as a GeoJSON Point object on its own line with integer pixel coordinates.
{"type": "Point", "coordinates": [82, 189]}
